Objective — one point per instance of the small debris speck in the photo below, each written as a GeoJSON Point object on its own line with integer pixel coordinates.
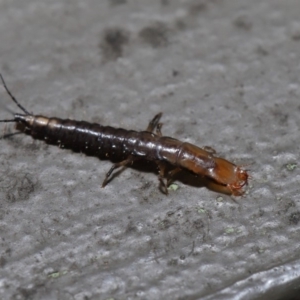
{"type": "Point", "coordinates": [229, 230]}
{"type": "Point", "coordinates": [291, 166]}
{"type": "Point", "coordinates": [201, 210]}
{"type": "Point", "coordinates": [57, 274]}
{"type": "Point", "coordinates": [173, 187]}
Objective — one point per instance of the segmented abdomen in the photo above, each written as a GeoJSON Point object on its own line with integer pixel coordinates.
{"type": "Point", "coordinates": [92, 138]}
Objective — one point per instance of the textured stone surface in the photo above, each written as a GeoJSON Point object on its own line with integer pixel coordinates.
{"type": "Point", "coordinates": [225, 74]}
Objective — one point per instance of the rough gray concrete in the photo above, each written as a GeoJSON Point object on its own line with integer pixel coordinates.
{"type": "Point", "coordinates": [225, 74]}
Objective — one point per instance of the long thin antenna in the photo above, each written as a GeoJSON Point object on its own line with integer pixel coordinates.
{"type": "Point", "coordinates": [5, 136]}
{"type": "Point", "coordinates": [6, 121]}
{"type": "Point", "coordinates": [13, 98]}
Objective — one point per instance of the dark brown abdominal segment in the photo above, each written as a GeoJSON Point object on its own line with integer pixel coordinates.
{"type": "Point", "coordinates": [128, 146]}
{"type": "Point", "coordinates": [81, 136]}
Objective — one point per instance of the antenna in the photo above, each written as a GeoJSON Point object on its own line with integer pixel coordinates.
{"type": "Point", "coordinates": [13, 99]}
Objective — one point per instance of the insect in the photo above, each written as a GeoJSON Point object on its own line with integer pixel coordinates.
{"type": "Point", "coordinates": [128, 146]}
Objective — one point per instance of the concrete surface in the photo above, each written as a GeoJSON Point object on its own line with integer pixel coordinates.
{"type": "Point", "coordinates": [225, 74]}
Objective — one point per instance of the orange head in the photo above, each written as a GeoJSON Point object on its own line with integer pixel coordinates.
{"type": "Point", "coordinates": [233, 178]}
{"type": "Point", "coordinates": [222, 175]}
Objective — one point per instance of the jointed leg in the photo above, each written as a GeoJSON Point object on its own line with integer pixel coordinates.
{"type": "Point", "coordinates": [165, 179]}
{"type": "Point", "coordinates": [210, 150]}
{"type": "Point", "coordinates": [171, 174]}
{"type": "Point", "coordinates": [161, 177]}
{"type": "Point", "coordinates": [154, 123]}
{"type": "Point", "coordinates": [121, 164]}
{"type": "Point", "coordinates": [158, 129]}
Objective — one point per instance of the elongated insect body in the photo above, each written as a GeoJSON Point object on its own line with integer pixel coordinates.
{"type": "Point", "coordinates": [128, 146]}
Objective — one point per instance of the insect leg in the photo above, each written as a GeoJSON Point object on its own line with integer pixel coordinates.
{"type": "Point", "coordinates": [154, 123]}
{"type": "Point", "coordinates": [171, 174]}
{"type": "Point", "coordinates": [158, 129]}
{"type": "Point", "coordinates": [121, 164]}
{"type": "Point", "coordinates": [161, 177]}
{"type": "Point", "coordinates": [210, 150]}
